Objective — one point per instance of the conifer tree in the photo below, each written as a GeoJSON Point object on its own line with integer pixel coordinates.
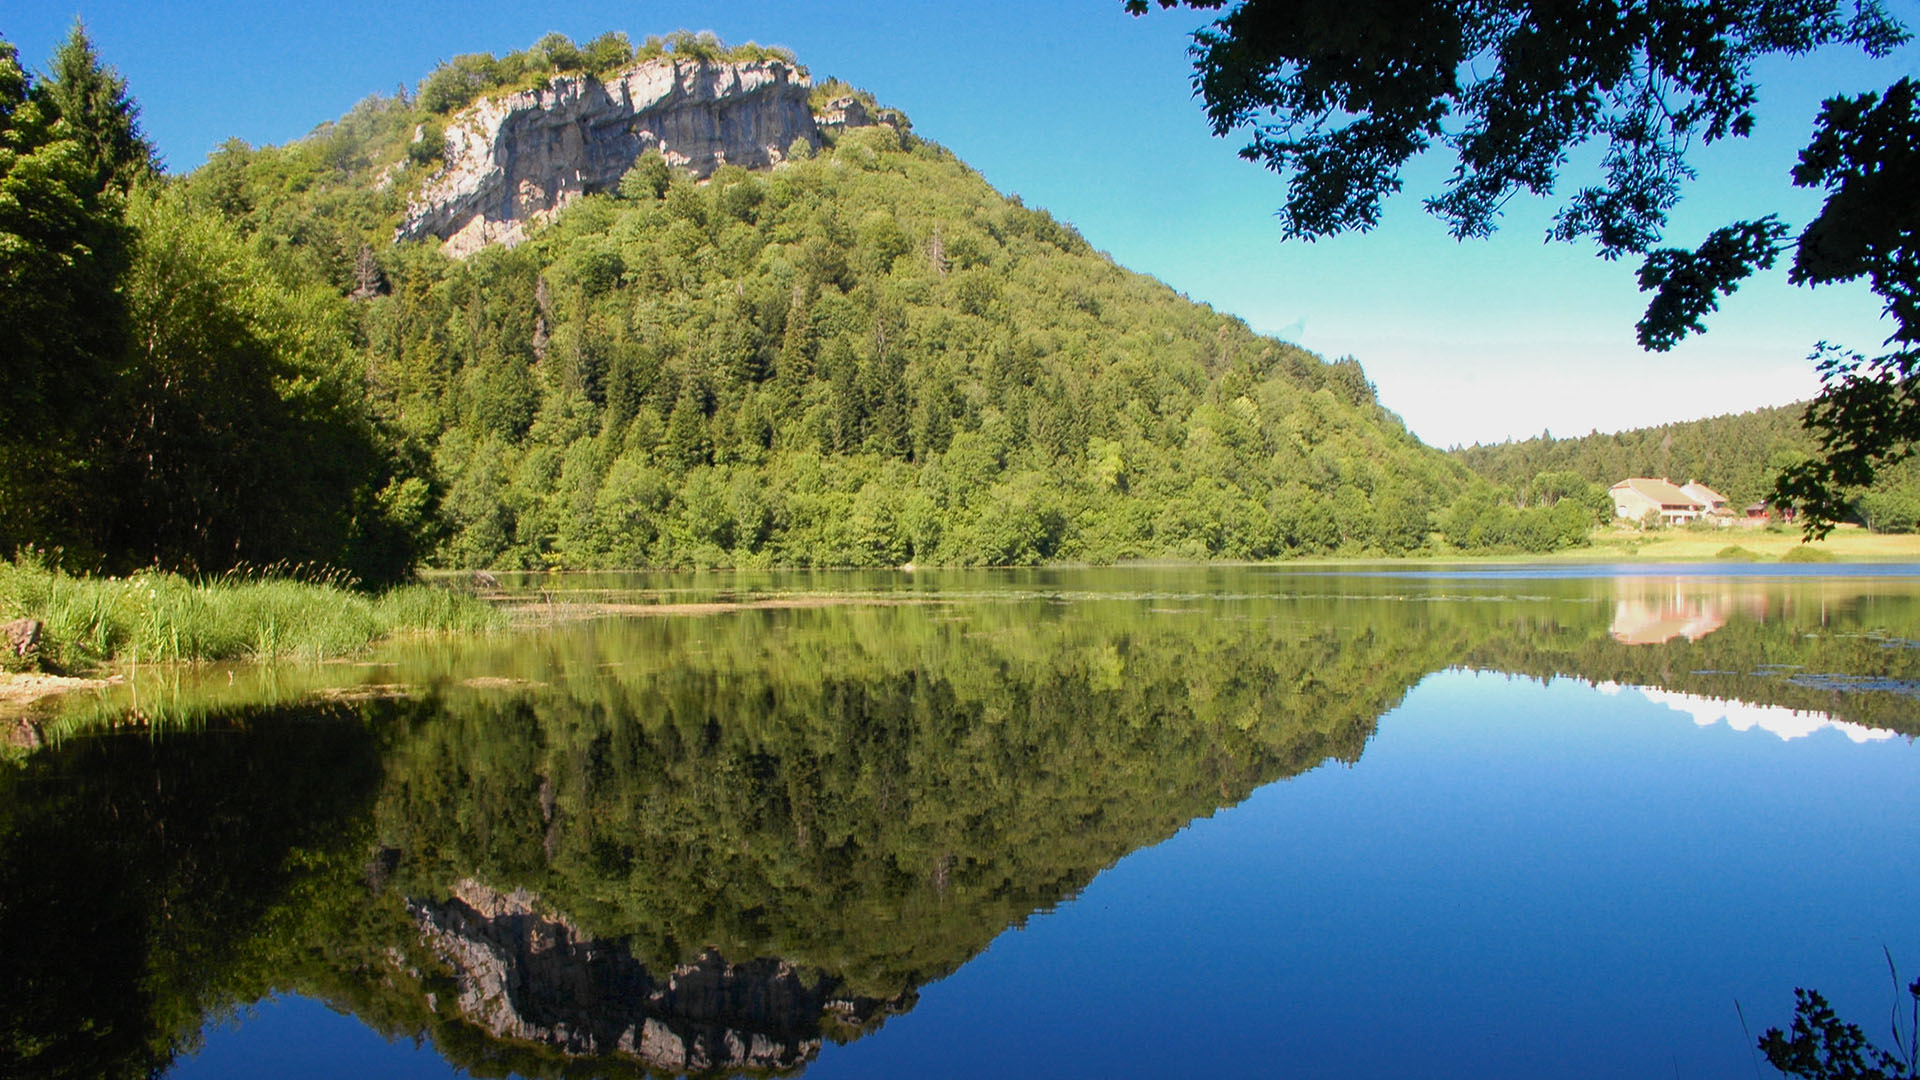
{"type": "Point", "coordinates": [92, 98]}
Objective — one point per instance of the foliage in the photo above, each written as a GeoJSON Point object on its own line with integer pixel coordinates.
{"type": "Point", "coordinates": [1339, 97]}
{"type": "Point", "coordinates": [867, 793]}
{"type": "Point", "coordinates": [63, 252]}
{"type": "Point", "coordinates": [1820, 1046]}
{"type": "Point", "coordinates": [453, 85]}
{"type": "Point", "coordinates": [1737, 454]}
{"type": "Point", "coordinates": [278, 612]}
{"type": "Point", "coordinates": [238, 432]}
{"type": "Point", "coordinates": [865, 358]}
{"type": "Point", "coordinates": [1865, 154]}
{"type": "Point", "coordinates": [178, 396]}
{"type": "Point", "coordinates": [92, 98]}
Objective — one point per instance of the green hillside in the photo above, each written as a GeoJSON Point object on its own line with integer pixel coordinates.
{"type": "Point", "coordinates": [1738, 454]}
{"type": "Point", "coordinates": [863, 356]}
{"type": "Point", "coordinates": [867, 357]}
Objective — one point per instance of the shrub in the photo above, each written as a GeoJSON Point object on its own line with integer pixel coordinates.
{"type": "Point", "coordinates": [1806, 554]}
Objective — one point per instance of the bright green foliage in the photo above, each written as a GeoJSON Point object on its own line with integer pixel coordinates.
{"type": "Point", "coordinates": [865, 358]}
{"type": "Point", "coordinates": [1737, 454]}
{"type": "Point", "coordinates": [156, 617]}
{"type": "Point", "coordinates": [1891, 510]}
{"type": "Point", "coordinates": [63, 249]}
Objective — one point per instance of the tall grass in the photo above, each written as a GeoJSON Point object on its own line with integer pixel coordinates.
{"type": "Point", "coordinates": [158, 617]}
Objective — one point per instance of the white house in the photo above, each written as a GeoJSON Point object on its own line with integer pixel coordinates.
{"type": "Point", "coordinates": [1636, 495]}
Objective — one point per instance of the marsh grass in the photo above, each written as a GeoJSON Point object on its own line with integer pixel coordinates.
{"type": "Point", "coordinates": [270, 613]}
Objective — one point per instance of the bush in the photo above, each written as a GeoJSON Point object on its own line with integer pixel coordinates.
{"type": "Point", "coordinates": [1805, 554]}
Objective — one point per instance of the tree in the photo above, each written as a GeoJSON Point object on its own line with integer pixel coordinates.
{"type": "Point", "coordinates": [92, 98]}
{"type": "Point", "coordinates": [63, 249]}
{"type": "Point", "coordinates": [236, 431]}
{"type": "Point", "coordinates": [1338, 95]}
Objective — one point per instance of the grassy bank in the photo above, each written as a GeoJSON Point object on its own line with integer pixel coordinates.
{"type": "Point", "coordinates": [1848, 543]}
{"type": "Point", "coordinates": [161, 618]}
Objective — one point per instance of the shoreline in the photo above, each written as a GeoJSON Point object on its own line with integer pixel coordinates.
{"type": "Point", "coordinates": [1847, 545]}
{"type": "Point", "coordinates": [29, 696]}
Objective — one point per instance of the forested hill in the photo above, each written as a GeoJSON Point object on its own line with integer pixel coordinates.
{"type": "Point", "coordinates": [861, 354]}
{"type": "Point", "coordinates": [1737, 454]}
{"type": "Point", "coordinates": [865, 355]}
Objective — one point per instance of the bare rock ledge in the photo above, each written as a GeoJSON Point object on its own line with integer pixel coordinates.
{"type": "Point", "coordinates": [517, 159]}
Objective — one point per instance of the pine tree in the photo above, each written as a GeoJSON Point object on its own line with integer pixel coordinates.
{"type": "Point", "coordinates": [795, 365]}
{"type": "Point", "coordinates": [92, 98]}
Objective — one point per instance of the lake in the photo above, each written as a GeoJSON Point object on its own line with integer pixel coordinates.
{"type": "Point", "coordinates": [1355, 822]}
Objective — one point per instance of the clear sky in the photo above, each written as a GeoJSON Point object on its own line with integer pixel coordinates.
{"type": "Point", "coordinates": [1085, 111]}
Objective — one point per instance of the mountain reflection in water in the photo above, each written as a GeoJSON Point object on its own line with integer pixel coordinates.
{"type": "Point", "coordinates": [725, 843]}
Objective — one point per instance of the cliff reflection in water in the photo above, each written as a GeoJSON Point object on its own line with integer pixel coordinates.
{"type": "Point", "coordinates": [719, 844]}
{"type": "Point", "coordinates": [533, 977]}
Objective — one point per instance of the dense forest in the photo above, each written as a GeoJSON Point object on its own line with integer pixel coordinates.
{"type": "Point", "coordinates": [863, 356]}
{"type": "Point", "coordinates": [1738, 455]}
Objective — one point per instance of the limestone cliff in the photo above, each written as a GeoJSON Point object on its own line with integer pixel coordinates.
{"type": "Point", "coordinates": [514, 159]}
{"type": "Point", "coordinates": [531, 977]}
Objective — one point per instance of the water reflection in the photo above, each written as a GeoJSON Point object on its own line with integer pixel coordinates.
{"type": "Point", "coordinates": [1786, 723]}
{"type": "Point", "coordinates": [531, 976]}
{"type": "Point", "coordinates": [723, 843]}
{"type": "Point", "coordinates": [1650, 611]}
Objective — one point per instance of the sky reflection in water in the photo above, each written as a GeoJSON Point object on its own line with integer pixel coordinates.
{"type": "Point", "coordinates": [1361, 828]}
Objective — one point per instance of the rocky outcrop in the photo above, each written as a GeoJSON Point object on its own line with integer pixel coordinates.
{"type": "Point", "coordinates": [844, 112]}
{"type": "Point", "coordinates": [532, 977]}
{"type": "Point", "coordinates": [22, 636]}
{"type": "Point", "coordinates": [515, 159]}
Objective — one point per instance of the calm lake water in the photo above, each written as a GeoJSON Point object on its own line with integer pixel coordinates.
{"type": "Point", "coordinates": [1116, 822]}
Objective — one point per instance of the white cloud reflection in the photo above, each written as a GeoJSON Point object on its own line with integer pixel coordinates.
{"type": "Point", "coordinates": [1742, 716]}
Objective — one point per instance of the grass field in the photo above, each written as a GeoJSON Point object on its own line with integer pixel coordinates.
{"type": "Point", "coordinates": [1848, 543]}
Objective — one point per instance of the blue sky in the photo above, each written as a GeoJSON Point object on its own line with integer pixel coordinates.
{"type": "Point", "coordinates": [1087, 112]}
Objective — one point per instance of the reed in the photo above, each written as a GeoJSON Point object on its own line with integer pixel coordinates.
{"type": "Point", "coordinates": [265, 613]}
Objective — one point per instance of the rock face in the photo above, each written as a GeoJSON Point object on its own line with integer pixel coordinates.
{"type": "Point", "coordinates": [515, 159]}
{"type": "Point", "coordinates": [23, 636]}
{"type": "Point", "coordinates": [530, 977]}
